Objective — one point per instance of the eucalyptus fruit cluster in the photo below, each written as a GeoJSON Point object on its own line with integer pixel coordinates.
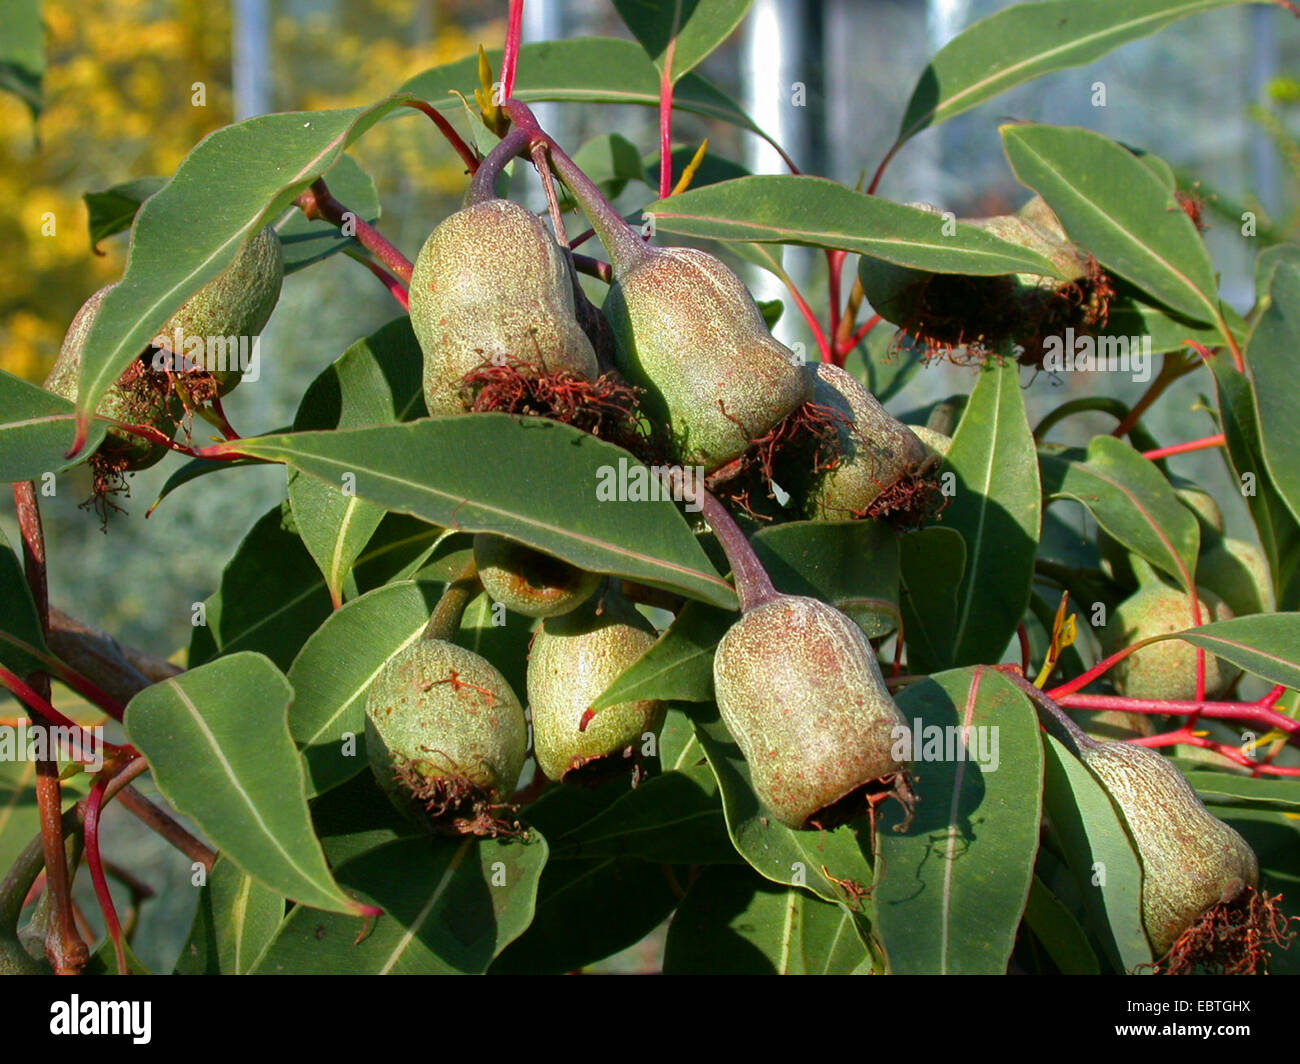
{"type": "Point", "coordinates": [162, 384]}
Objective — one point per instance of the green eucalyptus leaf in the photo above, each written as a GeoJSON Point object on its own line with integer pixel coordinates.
{"type": "Point", "coordinates": [817, 212]}
{"type": "Point", "coordinates": [679, 34]}
{"type": "Point", "coordinates": [1026, 41]}
{"type": "Point", "coordinates": [244, 785]}
{"type": "Point", "coordinates": [996, 505]}
{"type": "Point", "coordinates": [449, 906]}
{"type": "Point", "coordinates": [36, 428]}
{"type": "Point", "coordinates": [236, 920]}
{"type": "Point", "coordinates": [952, 885]}
{"type": "Point", "coordinates": [555, 500]}
{"type": "Point", "coordinates": [734, 922]}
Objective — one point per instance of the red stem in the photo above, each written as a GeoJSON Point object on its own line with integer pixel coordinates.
{"type": "Point", "coordinates": [88, 690]}
{"type": "Point", "coordinates": [666, 120]}
{"type": "Point", "coordinates": [753, 586]}
{"type": "Point", "coordinates": [1251, 711]}
{"type": "Point", "coordinates": [510, 59]}
{"type": "Point", "coordinates": [880, 170]}
{"type": "Point", "coordinates": [835, 269]}
{"type": "Point", "coordinates": [64, 946]}
{"type": "Point", "coordinates": [317, 202]}
{"type": "Point", "coordinates": [1100, 669]}
{"type": "Point", "coordinates": [857, 337]}
{"type": "Point", "coordinates": [622, 243]}
{"type": "Point", "coordinates": [1186, 737]}
{"type": "Point", "coordinates": [94, 803]}
{"type": "Point", "coordinates": [598, 268]}
{"type": "Point", "coordinates": [1022, 633]}
{"type": "Point", "coordinates": [42, 708]}
{"type": "Point", "coordinates": [823, 345]}
{"type": "Point", "coordinates": [395, 287]}
{"type": "Point", "coordinates": [1217, 440]}
{"type": "Point", "coordinates": [447, 130]}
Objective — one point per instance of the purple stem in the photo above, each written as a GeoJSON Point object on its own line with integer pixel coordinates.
{"type": "Point", "coordinates": [753, 586]}
{"type": "Point", "coordinates": [623, 243]}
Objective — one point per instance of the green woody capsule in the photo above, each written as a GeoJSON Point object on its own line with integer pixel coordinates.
{"type": "Point", "coordinates": [446, 736]}
{"type": "Point", "coordinates": [491, 285]}
{"type": "Point", "coordinates": [230, 311]}
{"type": "Point", "coordinates": [1191, 860]}
{"type": "Point", "coordinates": [877, 451]}
{"type": "Point", "coordinates": [141, 396]}
{"type": "Point", "coordinates": [687, 330]}
{"type": "Point", "coordinates": [799, 688]}
{"type": "Point", "coordinates": [573, 660]}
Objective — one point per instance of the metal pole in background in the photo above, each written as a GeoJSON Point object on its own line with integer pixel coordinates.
{"type": "Point", "coordinates": [777, 57]}
{"type": "Point", "coordinates": [250, 32]}
{"type": "Point", "coordinates": [1263, 68]}
{"type": "Point", "coordinates": [544, 21]}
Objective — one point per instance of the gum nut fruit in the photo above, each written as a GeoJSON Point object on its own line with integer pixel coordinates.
{"type": "Point", "coordinates": [572, 662]}
{"type": "Point", "coordinates": [687, 331]}
{"type": "Point", "coordinates": [1238, 572]}
{"type": "Point", "coordinates": [491, 285]}
{"type": "Point", "coordinates": [444, 732]}
{"type": "Point", "coordinates": [877, 450]}
{"type": "Point", "coordinates": [232, 309]}
{"type": "Point", "coordinates": [140, 396]}
{"type": "Point", "coordinates": [1191, 860]}
{"type": "Point", "coordinates": [1164, 670]}
{"type": "Point", "coordinates": [527, 581]}
{"type": "Point", "coordinates": [800, 690]}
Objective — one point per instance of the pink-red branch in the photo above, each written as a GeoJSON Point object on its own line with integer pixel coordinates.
{"type": "Point", "coordinates": [666, 120]}
{"type": "Point", "coordinates": [94, 803]}
{"type": "Point", "coordinates": [510, 59]}
{"type": "Point", "coordinates": [1256, 712]}
{"type": "Point", "coordinates": [1217, 440]}
{"type": "Point", "coordinates": [466, 153]}
{"type": "Point", "coordinates": [317, 202]}
{"type": "Point", "coordinates": [1186, 737]}
{"type": "Point", "coordinates": [42, 708]}
{"type": "Point", "coordinates": [395, 287]}
{"type": "Point", "coordinates": [842, 350]}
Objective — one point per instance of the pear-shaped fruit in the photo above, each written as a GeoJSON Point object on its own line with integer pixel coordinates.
{"type": "Point", "coordinates": [800, 690]}
{"type": "Point", "coordinates": [1164, 670]}
{"type": "Point", "coordinates": [687, 330]}
{"type": "Point", "coordinates": [491, 285]}
{"type": "Point", "coordinates": [141, 396]}
{"type": "Point", "coordinates": [1238, 572]}
{"type": "Point", "coordinates": [527, 581]}
{"type": "Point", "coordinates": [446, 736]}
{"type": "Point", "coordinates": [1202, 504]}
{"type": "Point", "coordinates": [936, 442]}
{"type": "Point", "coordinates": [573, 660]}
{"type": "Point", "coordinates": [879, 455]}
{"type": "Point", "coordinates": [229, 312]}
{"type": "Point", "coordinates": [1191, 861]}
{"type": "Point", "coordinates": [984, 314]}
